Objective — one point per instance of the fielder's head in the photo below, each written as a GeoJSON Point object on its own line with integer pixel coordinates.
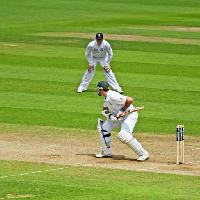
{"type": "Point", "coordinates": [99, 38]}
{"type": "Point", "coordinates": [102, 88]}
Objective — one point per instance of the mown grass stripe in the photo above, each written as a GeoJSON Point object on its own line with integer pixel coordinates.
{"type": "Point", "coordinates": [120, 55]}
{"type": "Point", "coordinates": [136, 80]}
{"type": "Point", "coordinates": [85, 183]}
{"type": "Point", "coordinates": [140, 94]}
{"type": "Point", "coordinates": [49, 102]}
{"type": "Point", "coordinates": [80, 64]}
{"type": "Point", "coordinates": [117, 45]}
{"type": "Point", "coordinates": [93, 106]}
{"type": "Point", "coordinates": [89, 121]}
{"type": "Point", "coordinates": [48, 118]}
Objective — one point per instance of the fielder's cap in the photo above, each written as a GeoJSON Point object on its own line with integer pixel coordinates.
{"type": "Point", "coordinates": [103, 85]}
{"type": "Point", "coordinates": [99, 36]}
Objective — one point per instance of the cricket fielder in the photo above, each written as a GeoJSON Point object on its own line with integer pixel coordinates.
{"type": "Point", "coordinates": [114, 105]}
{"type": "Point", "coordinates": [99, 51]}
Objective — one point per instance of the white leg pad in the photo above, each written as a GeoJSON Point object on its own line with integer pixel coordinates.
{"type": "Point", "coordinates": [104, 138]}
{"type": "Point", "coordinates": [128, 139]}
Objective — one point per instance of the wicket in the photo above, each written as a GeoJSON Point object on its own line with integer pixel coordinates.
{"type": "Point", "coordinates": [180, 153]}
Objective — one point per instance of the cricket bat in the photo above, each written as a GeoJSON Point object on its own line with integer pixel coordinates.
{"type": "Point", "coordinates": [136, 109]}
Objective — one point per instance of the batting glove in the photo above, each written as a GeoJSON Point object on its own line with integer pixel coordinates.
{"type": "Point", "coordinates": [119, 113]}
{"type": "Point", "coordinates": [113, 118]}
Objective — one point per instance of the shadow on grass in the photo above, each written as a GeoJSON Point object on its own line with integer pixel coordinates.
{"type": "Point", "coordinates": [114, 157]}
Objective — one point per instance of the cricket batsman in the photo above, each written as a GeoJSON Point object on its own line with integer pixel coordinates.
{"type": "Point", "coordinates": [115, 105]}
{"type": "Point", "coordinates": [99, 51]}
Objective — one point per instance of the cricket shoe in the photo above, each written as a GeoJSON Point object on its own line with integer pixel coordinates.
{"type": "Point", "coordinates": [102, 155]}
{"type": "Point", "coordinates": [143, 157]}
{"type": "Point", "coordinates": [80, 89]}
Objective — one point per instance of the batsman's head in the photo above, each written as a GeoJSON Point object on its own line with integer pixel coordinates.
{"type": "Point", "coordinates": [99, 38]}
{"type": "Point", "coordinates": [102, 88]}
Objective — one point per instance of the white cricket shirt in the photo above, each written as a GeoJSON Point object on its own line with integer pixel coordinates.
{"type": "Point", "coordinates": [102, 51]}
{"type": "Point", "coordinates": [115, 102]}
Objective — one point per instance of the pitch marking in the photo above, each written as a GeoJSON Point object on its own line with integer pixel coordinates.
{"type": "Point", "coordinates": [34, 172]}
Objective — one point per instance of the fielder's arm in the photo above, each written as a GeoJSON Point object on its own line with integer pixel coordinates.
{"type": "Point", "coordinates": [88, 53]}
{"type": "Point", "coordinates": [110, 53]}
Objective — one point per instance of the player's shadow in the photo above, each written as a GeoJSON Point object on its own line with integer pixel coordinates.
{"type": "Point", "coordinates": [114, 157]}
{"type": "Point", "coordinates": [91, 90]}
{"type": "Point", "coordinates": [121, 157]}
{"type": "Point", "coordinates": [88, 91]}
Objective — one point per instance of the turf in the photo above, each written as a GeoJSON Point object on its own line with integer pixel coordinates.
{"type": "Point", "coordinates": [45, 88]}
{"type": "Point", "coordinates": [42, 181]}
{"type": "Point", "coordinates": [39, 75]}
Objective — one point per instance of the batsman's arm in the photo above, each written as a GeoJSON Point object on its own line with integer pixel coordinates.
{"type": "Point", "coordinates": [106, 112]}
{"type": "Point", "coordinates": [128, 102]}
{"type": "Point", "coordinates": [123, 114]}
{"type": "Point", "coordinates": [108, 115]}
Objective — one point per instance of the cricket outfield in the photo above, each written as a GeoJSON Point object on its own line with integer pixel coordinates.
{"type": "Point", "coordinates": [48, 132]}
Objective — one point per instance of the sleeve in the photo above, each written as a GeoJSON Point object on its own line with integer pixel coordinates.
{"type": "Point", "coordinates": [110, 53]}
{"type": "Point", "coordinates": [118, 99]}
{"type": "Point", "coordinates": [88, 53]}
{"type": "Point", "coordinates": [105, 104]}
{"type": "Point", "coordinates": [105, 112]}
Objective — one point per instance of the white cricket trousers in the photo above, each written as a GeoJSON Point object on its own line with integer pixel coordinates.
{"type": "Point", "coordinates": [126, 132]}
{"type": "Point", "coordinates": [109, 75]}
{"type": "Point", "coordinates": [127, 124]}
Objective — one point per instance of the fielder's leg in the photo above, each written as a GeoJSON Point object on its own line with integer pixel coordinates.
{"type": "Point", "coordinates": [125, 135]}
{"type": "Point", "coordinates": [110, 78]}
{"type": "Point", "coordinates": [87, 78]}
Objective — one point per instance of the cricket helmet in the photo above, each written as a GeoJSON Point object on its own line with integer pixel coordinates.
{"type": "Point", "coordinates": [103, 85]}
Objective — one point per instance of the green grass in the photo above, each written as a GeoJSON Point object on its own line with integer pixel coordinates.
{"type": "Point", "coordinates": [91, 183]}
{"type": "Point", "coordinates": [31, 89]}
{"type": "Point", "coordinates": [39, 76]}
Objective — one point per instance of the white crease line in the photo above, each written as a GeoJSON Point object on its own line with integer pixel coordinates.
{"type": "Point", "coordinates": [3, 176]}
{"type": "Point", "coordinates": [34, 172]}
